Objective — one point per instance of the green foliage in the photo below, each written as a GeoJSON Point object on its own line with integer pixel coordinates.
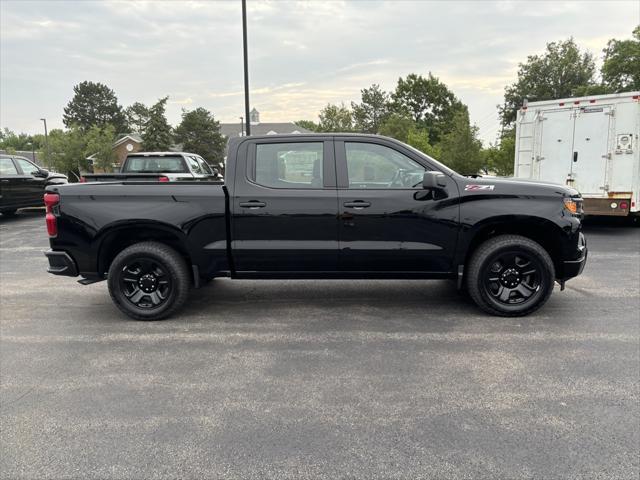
{"type": "Point", "coordinates": [335, 118]}
{"type": "Point", "coordinates": [68, 151]}
{"type": "Point", "coordinates": [429, 102]}
{"type": "Point", "coordinates": [99, 143]}
{"type": "Point", "coordinates": [498, 158]}
{"type": "Point", "coordinates": [558, 73]}
{"type": "Point", "coordinates": [372, 111]}
{"type": "Point", "coordinates": [137, 116]}
{"type": "Point", "coordinates": [460, 148]}
{"type": "Point", "coordinates": [10, 141]}
{"type": "Point", "coordinates": [621, 67]}
{"type": "Point", "coordinates": [419, 139]}
{"type": "Point", "coordinates": [157, 131]}
{"type": "Point", "coordinates": [200, 133]}
{"type": "Point", "coordinates": [397, 126]}
{"type": "Point", "coordinates": [308, 124]}
{"type": "Point", "coordinates": [94, 104]}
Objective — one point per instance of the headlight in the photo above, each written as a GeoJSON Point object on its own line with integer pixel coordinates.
{"type": "Point", "coordinates": [573, 206]}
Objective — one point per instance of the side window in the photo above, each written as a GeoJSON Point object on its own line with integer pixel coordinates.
{"type": "Point", "coordinates": [28, 168]}
{"type": "Point", "coordinates": [289, 165]}
{"type": "Point", "coordinates": [204, 166]}
{"type": "Point", "coordinates": [375, 166]}
{"type": "Point", "coordinates": [194, 165]}
{"type": "Point", "coordinates": [7, 167]}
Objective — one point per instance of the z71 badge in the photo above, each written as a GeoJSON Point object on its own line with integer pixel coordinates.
{"type": "Point", "coordinates": [469, 188]}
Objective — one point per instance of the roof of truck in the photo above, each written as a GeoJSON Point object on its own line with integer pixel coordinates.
{"type": "Point", "coordinates": [616, 97]}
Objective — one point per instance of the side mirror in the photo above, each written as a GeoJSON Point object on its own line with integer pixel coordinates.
{"type": "Point", "coordinates": [434, 181]}
{"type": "Point", "coordinates": [41, 173]}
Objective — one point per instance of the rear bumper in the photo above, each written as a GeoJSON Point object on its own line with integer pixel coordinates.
{"type": "Point", "coordinates": [573, 268]}
{"type": "Point", "coordinates": [609, 206]}
{"type": "Point", "coordinates": [61, 263]}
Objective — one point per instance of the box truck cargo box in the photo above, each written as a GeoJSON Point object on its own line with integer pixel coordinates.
{"type": "Point", "coordinates": [588, 143]}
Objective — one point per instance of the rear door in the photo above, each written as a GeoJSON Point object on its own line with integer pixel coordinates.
{"type": "Point", "coordinates": [590, 141]}
{"type": "Point", "coordinates": [388, 222]}
{"type": "Point", "coordinates": [557, 146]}
{"type": "Point", "coordinates": [285, 207]}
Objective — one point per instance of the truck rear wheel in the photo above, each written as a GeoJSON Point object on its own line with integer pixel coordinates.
{"type": "Point", "coordinates": [148, 281]}
{"type": "Point", "coordinates": [510, 276]}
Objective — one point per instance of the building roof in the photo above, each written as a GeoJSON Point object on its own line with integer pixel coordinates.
{"type": "Point", "coordinates": [134, 137]}
{"type": "Point", "coordinates": [234, 129]}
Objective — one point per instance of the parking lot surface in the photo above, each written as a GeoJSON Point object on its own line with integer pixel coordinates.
{"type": "Point", "coordinates": [319, 379]}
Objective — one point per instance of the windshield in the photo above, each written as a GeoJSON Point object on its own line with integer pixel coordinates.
{"type": "Point", "coordinates": [155, 164]}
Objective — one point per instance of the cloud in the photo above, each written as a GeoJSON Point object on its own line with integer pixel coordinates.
{"type": "Point", "coordinates": [302, 55]}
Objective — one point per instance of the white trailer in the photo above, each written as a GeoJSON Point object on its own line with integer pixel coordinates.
{"type": "Point", "coordinates": [589, 143]}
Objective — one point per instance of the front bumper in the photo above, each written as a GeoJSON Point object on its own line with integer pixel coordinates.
{"type": "Point", "coordinates": [61, 263]}
{"type": "Point", "coordinates": [573, 268]}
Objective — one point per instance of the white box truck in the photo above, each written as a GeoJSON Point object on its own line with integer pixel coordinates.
{"type": "Point", "coordinates": [589, 143]}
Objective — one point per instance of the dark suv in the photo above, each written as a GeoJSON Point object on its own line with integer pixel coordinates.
{"type": "Point", "coordinates": [22, 183]}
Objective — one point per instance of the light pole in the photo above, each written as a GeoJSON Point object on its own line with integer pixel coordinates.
{"type": "Point", "coordinates": [246, 66]}
{"type": "Point", "coordinates": [46, 142]}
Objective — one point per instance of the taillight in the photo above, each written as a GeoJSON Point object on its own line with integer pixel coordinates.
{"type": "Point", "coordinates": [163, 179]}
{"type": "Point", "coordinates": [51, 200]}
{"type": "Point", "coordinates": [83, 180]}
{"type": "Point", "coordinates": [624, 205]}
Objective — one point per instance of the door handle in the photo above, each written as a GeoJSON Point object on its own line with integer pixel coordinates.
{"type": "Point", "coordinates": [358, 204]}
{"type": "Point", "coordinates": [253, 204]}
{"type": "Point", "coordinates": [4, 181]}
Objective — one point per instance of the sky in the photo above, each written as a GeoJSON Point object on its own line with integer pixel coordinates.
{"type": "Point", "coordinates": [302, 55]}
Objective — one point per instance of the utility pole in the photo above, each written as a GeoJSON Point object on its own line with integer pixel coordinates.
{"type": "Point", "coordinates": [46, 143]}
{"type": "Point", "coordinates": [246, 66]}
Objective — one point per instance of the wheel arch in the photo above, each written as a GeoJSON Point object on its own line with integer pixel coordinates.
{"type": "Point", "coordinates": [541, 230]}
{"type": "Point", "coordinates": [118, 237]}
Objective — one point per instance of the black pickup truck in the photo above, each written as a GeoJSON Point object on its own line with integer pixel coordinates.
{"type": "Point", "coordinates": [319, 206]}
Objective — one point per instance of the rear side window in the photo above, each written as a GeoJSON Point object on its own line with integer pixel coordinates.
{"type": "Point", "coordinates": [155, 164]}
{"type": "Point", "coordinates": [289, 165]}
{"type": "Point", "coordinates": [7, 167]}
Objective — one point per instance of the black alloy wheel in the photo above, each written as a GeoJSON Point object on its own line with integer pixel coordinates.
{"type": "Point", "coordinates": [145, 283]}
{"type": "Point", "coordinates": [512, 277]}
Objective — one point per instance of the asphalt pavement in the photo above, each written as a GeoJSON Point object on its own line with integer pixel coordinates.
{"type": "Point", "coordinates": [319, 379]}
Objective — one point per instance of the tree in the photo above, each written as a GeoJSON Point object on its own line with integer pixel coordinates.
{"type": "Point", "coordinates": [397, 126]}
{"type": "Point", "coordinates": [335, 118]}
{"type": "Point", "coordinates": [99, 144]}
{"type": "Point", "coordinates": [199, 132]}
{"type": "Point", "coordinates": [137, 116]}
{"type": "Point", "coordinates": [419, 139]}
{"type": "Point", "coordinates": [499, 158]}
{"type": "Point", "coordinates": [93, 104]}
{"type": "Point", "coordinates": [68, 151]}
{"type": "Point", "coordinates": [308, 124]}
{"type": "Point", "coordinates": [371, 112]}
{"type": "Point", "coordinates": [460, 147]}
{"type": "Point", "coordinates": [157, 131]}
{"type": "Point", "coordinates": [429, 102]}
{"type": "Point", "coordinates": [558, 73]}
{"type": "Point", "coordinates": [621, 67]}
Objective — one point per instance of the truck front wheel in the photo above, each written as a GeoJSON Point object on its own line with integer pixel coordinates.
{"type": "Point", "coordinates": [510, 276]}
{"type": "Point", "coordinates": [148, 281]}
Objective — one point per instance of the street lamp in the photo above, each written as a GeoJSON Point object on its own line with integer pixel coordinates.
{"type": "Point", "coordinates": [246, 66]}
{"type": "Point", "coordinates": [46, 142]}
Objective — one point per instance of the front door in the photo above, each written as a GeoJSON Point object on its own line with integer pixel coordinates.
{"type": "Point", "coordinates": [9, 183]}
{"type": "Point", "coordinates": [285, 207]}
{"type": "Point", "coordinates": [31, 183]}
{"type": "Point", "coordinates": [388, 222]}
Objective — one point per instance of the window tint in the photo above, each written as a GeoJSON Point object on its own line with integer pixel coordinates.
{"type": "Point", "coordinates": [7, 167]}
{"type": "Point", "coordinates": [154, 164]}
{"type": "Point", "coordinates": [375, 166]}
{"type": "Point", "coordinates": [28, 168]}
{"type": "Point", "coordinates": [289, 165]}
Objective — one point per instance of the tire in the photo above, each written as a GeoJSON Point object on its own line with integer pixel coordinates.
{"type": "Point", "coordinates": [149, 281]}
{"type": "Point", "coordinates": [510, 276]}
{"type": "Point", "coordinates": [9, 212]}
